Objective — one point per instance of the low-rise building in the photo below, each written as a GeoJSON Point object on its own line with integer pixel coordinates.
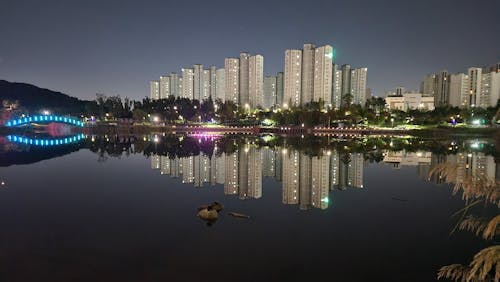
{"type": "Point", "coordinates": [410, 101]}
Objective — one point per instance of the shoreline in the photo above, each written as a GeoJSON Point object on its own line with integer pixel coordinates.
{"type": "Point", "coordinates": [281, 130]}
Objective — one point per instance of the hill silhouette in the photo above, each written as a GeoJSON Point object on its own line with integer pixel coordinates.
{"type": "Point", "coordinates": [34, 99]}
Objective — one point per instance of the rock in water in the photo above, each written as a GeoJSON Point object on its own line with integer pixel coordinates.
{"type": "Point", "coordinates": [214, 206]}
{"type": "Point", "coordinates": [217, 206]}
{"type": "Point", "coordinates": [208, 214]}
{"type": "Point", "coordinates": [240, 215]}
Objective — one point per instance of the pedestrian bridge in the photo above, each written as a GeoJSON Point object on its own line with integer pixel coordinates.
{"type": "Point", "coordinates": [43, 119]}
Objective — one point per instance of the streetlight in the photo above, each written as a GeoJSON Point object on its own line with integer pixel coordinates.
{"type": "Point", "coordinates": [46, 112]}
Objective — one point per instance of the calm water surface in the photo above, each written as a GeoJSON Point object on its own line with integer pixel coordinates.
{"type": "Point", "coordinates": [124, 209]}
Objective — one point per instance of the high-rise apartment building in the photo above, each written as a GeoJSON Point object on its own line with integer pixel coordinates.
{"type": "Point", "coordinates": [474, 85]}
{"type": "Point", "coordinates": [279, 88]}
{"type": "Point", "coordinates": [201, 83]}
{"type": "Point", "coordinates": [220, 84]}
{"type": "Point", "coordinates": [164, 86]}
{"type": "Point", "coordinates": [336, 87]}
{"type": "Point", "coordinates": [244, 76]}
{"type": "Point", "coordinates": [358, 86]}
{"type": "Point", "coordinates": [346, 80]}
{"type": "Point", "coordinates": [175, 87]}
{"type": "Point", "coordinates": [427, 85]}
{"type": "Point", "coordinates": [293, 78]}
{"type": "Point", "coordinates": [154, 90]}
{"type": "Point", "coordinates": [311, 76]}
{"type": "Point", "coordinates": [213, 82]}
{"type": "Point", "coordinates": [490, 90]}
{"type": "Point", "coordinates": [205, 85]}
{"type": "Point", "coordinates": [323, 74]}
{"type": "Point", "coordinates": [459, 90]}
{"type": "Point", "coordinates": [308, 71]}
{"type": "Point", "coordinates": [442, 91]}
{"type": "Point", "coordinates": [232, 79]}
{"type": "Point", "coordinates": [255, 81]}
{"type": "Point", "coordinates": [269, 91]}
{"type": "Point", "coordinates": [188, 83]}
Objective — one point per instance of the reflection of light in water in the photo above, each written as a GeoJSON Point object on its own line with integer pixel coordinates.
{"type": "Point", "coordinates": [45, 142]}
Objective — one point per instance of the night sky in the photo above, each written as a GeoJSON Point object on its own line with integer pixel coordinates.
{"type": "Point", "coordinates": [116, 47]}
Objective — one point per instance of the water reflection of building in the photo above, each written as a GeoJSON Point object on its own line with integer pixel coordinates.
{"type": "Point", "coordinates": [464, 164]}
{"type": "Point", "coordinates": [231, 182]}
{"type": "Point", "coordinates": [199, 170]}
{"type": "Point", "coordinates": [268, 162]}
{"type": "Point", "coordinates": [306, 179]}
{"type": "Point", "coordinates": [474, 164]}
{"type": "Point", "coordinates": [243, 173]}
{"type": "Point", "coordinates": [155, 162]}
{"type": "Point", "coordinates": [403, 158]}
{"type": "Point", "coordinates": [346, 170]}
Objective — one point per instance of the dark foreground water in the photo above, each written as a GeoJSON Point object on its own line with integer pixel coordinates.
{"type": "Point", "coordinates": [124, 209]}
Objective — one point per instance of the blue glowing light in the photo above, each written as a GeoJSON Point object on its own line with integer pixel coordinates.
{"type": "Point", "coordinates": [45, 142]}
{"type": "Point", "coordinates": [16, 122]}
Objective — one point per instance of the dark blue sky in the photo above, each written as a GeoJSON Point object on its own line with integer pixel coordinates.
{"type": "Point", "coordinates": [116, 47]}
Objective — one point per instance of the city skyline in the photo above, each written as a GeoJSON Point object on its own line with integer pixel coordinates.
{"type": "Point", "coordinates": [120, 50]}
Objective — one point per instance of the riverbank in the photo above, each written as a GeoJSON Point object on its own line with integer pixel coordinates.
{"type": "Point", "coordinates": [282, 130]}
{"type": "Point", "coordinates": [290, 130]}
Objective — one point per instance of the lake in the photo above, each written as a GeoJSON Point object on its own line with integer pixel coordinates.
{"type": "Point", "coordinates": [124, 208]}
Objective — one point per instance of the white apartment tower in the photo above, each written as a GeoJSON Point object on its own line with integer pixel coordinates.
{"type": "Point", "coordinates": [346, 80]}
{"type": "Point", "coordinates": [336, 87]}
{"type": "Point", "coordinates": [308, 72]}
{"type": "Point", "coordinates": [459, 90]}
{"type": "Point", "coordinates": [320, 181]}
{"type": "Point", "coordinates": [232, 79]}
{"type": "Point", "coordinates": [490, 90]}
{"type": "Point", "coordinates": [358, 86]}
{"type": "Point", "coordinates": [213, 82]}
{"type": "Point", "coordinates": [291, 171]}
{"type": "Point", "coordinates": [293, 78]}
{"type": "Point", "coordinates": [201, 83]}
{"type": "Point", "coordinates": [154, 90]}
{"type": "Point", "coordinates": [188, 83]}
{"type": "Point", "coordinates": [323, 69]}
{"type": "Point", "coordinates": [474, 85]}
{"type": "Point", "coordinates": [269, 91]}
{"type": "Point", "coordinates": [175, 85]}
{"type": "Point", "coordinates": [220, 85]}
{"type": "Point", "coordinates": [164, 87]}
{"type": "Point", "coordinates": [279, 88]}
{"type": "Point", "coordinates": [205, 85]}
{"type": "Point", "coordinates": [442, 89]}
{"type": "Point", "coordinates": [256, 81]}
{"type": "Point", "coordinates": [427, 86]}
{"type": "Point", "coordinates": [244, 76]}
